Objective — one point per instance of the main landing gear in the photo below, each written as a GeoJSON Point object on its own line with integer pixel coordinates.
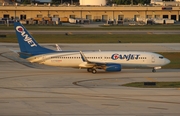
{"type": "Point", "coordinates": [93, 70]}
{"type": "Point", "coordinates": [153, 70]}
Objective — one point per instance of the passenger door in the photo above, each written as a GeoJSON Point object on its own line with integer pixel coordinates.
{"type": "Point", "coordinates": [153, 59]}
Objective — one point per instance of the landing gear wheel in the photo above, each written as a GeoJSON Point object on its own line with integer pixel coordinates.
{"type": "Point", "coordinates": [153, 70]}
{"type": "Point", "coordinates": [94, 71]}
{"type": "Point", "coordinates": [89, 69]}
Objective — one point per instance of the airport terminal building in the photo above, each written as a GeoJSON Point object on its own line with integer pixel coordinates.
{"type": "Point", "coordinates": [92, 12]}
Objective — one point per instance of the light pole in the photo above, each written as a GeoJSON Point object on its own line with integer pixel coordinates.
{"type": "Point", "coordinates": [71, 2]}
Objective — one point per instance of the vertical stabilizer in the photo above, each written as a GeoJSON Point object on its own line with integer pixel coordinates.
{"type": "Point", "coordinates": [27, 43]}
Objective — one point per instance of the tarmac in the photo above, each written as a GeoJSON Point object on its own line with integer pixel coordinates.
{"type": "Point", "coordinates": [28, 89]}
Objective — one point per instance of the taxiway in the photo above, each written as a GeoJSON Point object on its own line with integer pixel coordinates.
{"type": "Point", "coordinates": [36, 90]}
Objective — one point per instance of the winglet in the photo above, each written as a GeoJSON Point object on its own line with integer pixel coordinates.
{"type": "Point", "coordinates": [84, 59]}
{"type": "Point", "coordinates": [58, 48]}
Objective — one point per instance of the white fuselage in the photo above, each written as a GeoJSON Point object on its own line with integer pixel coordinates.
{"type": "Point", "coordinates": [125, 58]}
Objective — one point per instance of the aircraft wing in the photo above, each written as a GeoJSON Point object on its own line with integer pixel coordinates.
{"type": "Point", "coordinates": [92, 66]}
{"type": "Point", "coordinates": [91, 62]}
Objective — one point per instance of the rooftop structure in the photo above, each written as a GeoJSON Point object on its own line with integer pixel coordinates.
{"type": "Point", "coordinates": [166, 3]}
{"type": "Point", "coordinates": [93, 2]}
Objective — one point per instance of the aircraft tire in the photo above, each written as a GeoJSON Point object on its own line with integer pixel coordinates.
{"type": "Point", "coordinates": [94, 71]}
{"type": "Point", "coordinates": [89, 69]}
{"type": "Point", "coordinates": [153, 70]}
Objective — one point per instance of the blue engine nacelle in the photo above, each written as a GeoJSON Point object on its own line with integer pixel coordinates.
{"type": "Point", "coordinates": [113, 67]}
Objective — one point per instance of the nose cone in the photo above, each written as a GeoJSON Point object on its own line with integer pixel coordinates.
{"type": "Point", "coordinates": [167, 61]}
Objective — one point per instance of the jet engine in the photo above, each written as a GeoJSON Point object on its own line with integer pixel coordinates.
{"type": "Point", "coordinates": [113, 67]}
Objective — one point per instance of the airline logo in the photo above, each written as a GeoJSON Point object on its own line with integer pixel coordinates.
{"type": "Point", "coordinates": [25, 36]}
{"type": "Point", "coordinates": [125, 56]}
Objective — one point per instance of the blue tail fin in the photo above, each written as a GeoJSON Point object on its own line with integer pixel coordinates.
{"type": "Point", "coordinates": [27, 43]}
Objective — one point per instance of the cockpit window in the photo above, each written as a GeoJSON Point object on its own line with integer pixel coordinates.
{"type": "Point", "coordinates": [161, 57]}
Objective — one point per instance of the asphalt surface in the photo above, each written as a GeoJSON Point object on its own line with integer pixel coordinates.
{"type": "Point", "coordinates": [28, 89]}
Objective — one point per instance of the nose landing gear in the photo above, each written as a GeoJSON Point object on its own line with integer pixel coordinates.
{"type": "Point", "coordinates": [155, 68]}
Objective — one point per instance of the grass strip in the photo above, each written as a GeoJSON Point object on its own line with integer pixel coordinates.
{"type": "Point", "coordinates": [99, 38]}
{"type": "Point", "coordinates": [158, 85]}
{"type": "Point", "coordinates": [101, 27]}
{"type": "Point", "coordinates": [174, 57]}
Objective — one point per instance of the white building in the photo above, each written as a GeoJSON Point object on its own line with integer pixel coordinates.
{"type": "Point", "coordinates": [166, 3]}
{"type": "Point", "coordinates": [93, 2]}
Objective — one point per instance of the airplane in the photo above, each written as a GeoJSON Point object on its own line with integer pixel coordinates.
{"type": "Point", "coordinates": [110, 61]}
